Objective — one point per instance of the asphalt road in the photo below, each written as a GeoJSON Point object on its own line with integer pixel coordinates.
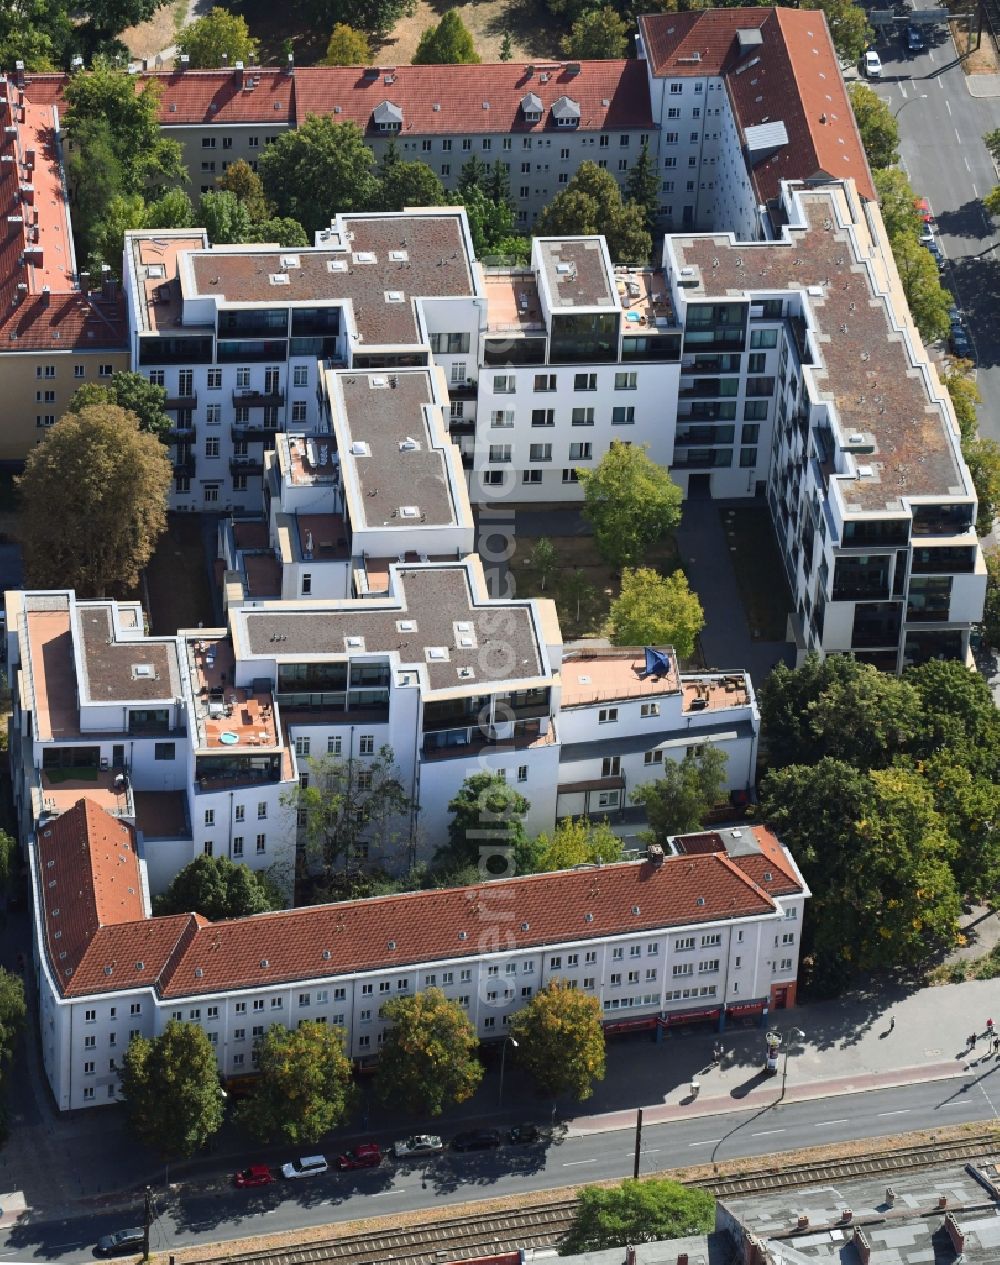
{"type": "Point", "coordinates": [941, 128]}
{"type": "Point", "coordinates": [216, 1212]}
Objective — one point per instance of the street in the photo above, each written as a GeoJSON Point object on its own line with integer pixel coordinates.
{"type": "Point", "coordinates": [204, 1212]}
{"type": "Point", "coordinates": [941, 128]}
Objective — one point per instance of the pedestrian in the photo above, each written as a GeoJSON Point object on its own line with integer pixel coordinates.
{"type": "Point", "coordinates": [892, 1023]}
{"type": "Point", "coordinates": [989, 1027]}
{"type": "Point", "coordinates": [973, 1037]}
{"type": "Point", "coordinates": [996, 1045]}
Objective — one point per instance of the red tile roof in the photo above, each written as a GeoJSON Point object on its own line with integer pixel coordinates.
{"type": "Point", "coordinates": [611, 94]}
{"type": "Point", "coordinates": [215, 96]}
{"type": "Point", "coordinates": [185, 955]}
{"type": "Point", "coordinates": [793, 77]}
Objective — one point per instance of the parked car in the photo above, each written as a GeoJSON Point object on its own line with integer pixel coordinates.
{"type": "Point", "coordinates": [255, 1175]}
{"type": "Point", "coordinates": [476, 1140]}
{"type": "Point", "coordinates": [523, 1133]}
{"type": "Point", "coordinates": [367, 1155]}
{"type": "Point", "coordinates": [923, 209]}
{"type": "Point", "coordinates": [419, 1144]}
{"type": "Point", "coordinates": [914, 40]}
{"type": "Point", "coordinates": [872, 64]}
{"type": "Point", "coordinates": [306, 1166]}
{"type": "Point", "coordinates": [926, 234]}
{"type": "Point", "coordinates": [936, 253]}
{"type": "Point", "coordinates": [961, 344]}
{"type": "Point", "coordinates": [120, 1242]}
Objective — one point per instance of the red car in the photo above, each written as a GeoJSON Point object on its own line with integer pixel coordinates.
{"type": "Point", "coordinates": [923, 209]}
{"type": "Point", "coordinates": [367, 1155]}
{"type": "Point", "coordinates": [255, 1175]}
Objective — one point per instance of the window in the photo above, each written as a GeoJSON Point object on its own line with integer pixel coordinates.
{"type": "Point", "coordinates": [531, 476]}
{"type": "Point", "coordinates": [683, 968]}
{"type": "Point", "coordinates": [500, 454]}
{"type": "Point", "coordinates": [45, 371]}
{"type": "Point", "coordinates": [617, 953]}
{"type": "Point", "coordinates": [788, 937]}
{"type": "Point", "coordinates": [79, 371]}
{"type": "Point", "coordinates": [791, 913]}
{"type": "Point", "coordinates": [237, 845]}
{"type": "Point", "coordinates": [611, 766]}
{"type": "Point", "coordinates": [607, 715]}
{"type": "Point", "coordinates": [209, 816]}
{"type": "Point", "coordinates": [616, 979]}
{"type": "Point", "coordinates": [524, 191]}
{"type": "Point", "coordinates": [258, 1003]}
{"type": "Point", "coordinates": [543, 417]}
{"type": "Point", "coordinates": [540, 452]}
{"type": "Point", "coordinates": [464, 975]}
{"type": "Point", "coordinates": [88, 1068]}
{"type": "Point", "coordinates": [555, 963]}
{"type": "Point", "coordinates": [446, 145]}
{"type": "Point", "coordinates": [208, 142]}
{"type": "Point", "coordinates": [502, 418]}
{"type": "Point", "coordinates": [334, 745]}
{"type": "Point", "coordinates": [366, 744]}
{"type": "Point", "coordinates": [88, 1093]}
{"type": "Point", "coordinates": [623, 415]}
{"type": "Point", "coordinates": [709, 967]}
{"type": "Point", "coordinates": [570, 476]}
{"type": "Point", "coordinates": [504, 384]}
{"type": "Point", "coordinates": [625, 381]}
{"type": "Point", "coordinates": [163, 750]}
{"type": "Point", "coordinates": [466, 144]}
{"type": "Point", "coordinates": [763, 338]}
{"type": "Point", "coordinates": [213, 380]}
{"type": "Point", "coordinates": [208, 848]}
{"type": "Point", "coordinates": [584, 381]}
{"type": "Point", "coordinates": [261, 844]}
{"type": "Point", "coordinates": [522, 774]}
{"type": "Point", "coordinates": [212, 446]}
{"type": "Point", "coordinates": [711, 941]}
{"type": "Point", "coordinates": [302, 746]}
{"type": "Point", "coordinates": [581, 452]}
{"type": "Point", "coordinates": [545, 382]}
{"type": "Point", "coordinates": [89, 1043]}
{"type": "Point", "coordinates": [300, 376]}
{"type": "Point", "coordinates": [583, 416]}
{"type": "Point", "coordinates": [262, 810]}
{"type": "Point", "coordinates": [652, 757]}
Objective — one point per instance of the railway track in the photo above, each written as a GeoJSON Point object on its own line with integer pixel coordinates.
{"type": "Point", "coordinates": [544, 1225]}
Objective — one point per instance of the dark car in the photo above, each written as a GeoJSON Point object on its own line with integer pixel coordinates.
{"type": "Point", "coordinates": [523, 1133]}
{"type": "Point", "coordinates": [937, 254]}
{"type": "Point", "coordinates": [961, 344]}
{"type": "Point", "coordinates": [914, 40]}
{"type": "Point", "coordinates": [120, 1242]}
{"type": "Point", "coordinates": [367, 1155]}
{"type": "Point", "coordinates": [476, 1140]}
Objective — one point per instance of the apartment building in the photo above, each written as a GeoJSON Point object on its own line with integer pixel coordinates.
{"type": "Point", "coordinates": [54, 336]}
{"type": "Point", "coordinates": [709, 931]}
{"type": "Point", "coordinates": [577, 354]}
{"type": "Point", "coordinates": [743, 99]}
{"type": "Point", "coordinates": [872, 502]}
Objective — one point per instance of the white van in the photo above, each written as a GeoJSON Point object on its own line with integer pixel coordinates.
{"type": "Point", "coordinates": [307, 1166]}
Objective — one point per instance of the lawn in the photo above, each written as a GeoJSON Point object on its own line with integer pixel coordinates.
{"type": "Point", "coordinates": [177, 579]}
{"type": "Point", "coordinates": [586, 616]}
{"type": "Point", "coordinates": [760, 576]}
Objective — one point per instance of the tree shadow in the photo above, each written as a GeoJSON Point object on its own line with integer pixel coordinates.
{"type": "Point", "coordinates": [968, 220]}
{"type": "Point", "coordinates": [977, 290]}
{"type": "Point", "coordinates": [453, 1170]}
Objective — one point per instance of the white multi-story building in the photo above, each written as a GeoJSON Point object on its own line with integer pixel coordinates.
{"type": "Point", "coordinates": [872, 501]}
{"type": "Point", "coordinates": [709, 931]}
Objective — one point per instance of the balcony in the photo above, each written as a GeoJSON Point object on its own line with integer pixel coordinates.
{"type": "Point", "coordinates": [246, 465]}
{"type": "Point", "coordinates": [246, 433]}
{"type": "Point", "coordinates": [258, 399]}
{"type": "Point", "coordinates": [174, 402]}
{"type": "Point", "coordinates": [185, 464]}
{"type": "Point", "coordinates": [181, 434]}
{"type": "Point", "coordinates": [463, 390]}
{"type": "Point", "coordinates": [462, 426]}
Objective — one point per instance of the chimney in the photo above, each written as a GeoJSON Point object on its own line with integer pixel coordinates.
{"type": "Point", "coordinates": [75, 64]}
{"type": "Point", "coordinates": [890, 1196]}
{"type": "Point", "coordinates": [290, 64]}
{"type": "Point", "coordinates": [21, 293]}
{"type": "Point", "coordinates": [238, 74]}
{"type": "Point", "coordinates": [28, 194]}
{"type": "Point", "coordinates": [654, 854]}
{"type": "Point", "coordinates": [46, 295]}
{"type": "Point", "coordinates": [19, 73]}
{"type": "Point", "coordinates": [183, 62]}
{"type": "Point", "coordinates": [34, 255]}
{"type": "Point", "coordinates": [225, 60]}
{"type": "Point", "coordinates": [109, 286]}
{"type": "Point", "coordinates": [29, 158]}
{"type": "Point", "coordinates": [84, 281]}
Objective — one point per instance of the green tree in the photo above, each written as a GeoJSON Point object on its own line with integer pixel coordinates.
{"type": "Point", "coordinates": [13, 1011]}
{"type": "Point", "coordinates": [486, 830]}
{"type": "Point", "coordinates": [958, 718]}
{"type": "Point", "coordinates": [347, 47]}
{"type": "Point", "coordinates": [242, 181]}
{"type": "Point", "coordinates": [305, 1087]}
{"type": "Point", "coordinates": [544, 561]}
{"type": "Point", "coordinates": [895, 199]}
{"type": "Point", "coordinates": [410, 184]}
{"type": "Point", "coordinates": [110, 482]}
{"type": "Point", "coordinates": [927, 299]}
{"type": "Point", "coordinates": [677, 803]}
{"type": "Point", "coordinates": [428, 1058]}
{"type": "Point", "coordinates": [631, 503]}
{"type": "Point", "coordinates": [969, 805]}
{"type": "Point", "coordinates": [37, 32]}
{"type": "Point", "coordinates": [506, 47]}
{"type": "Point", "coordinates": [375, 17]}
{"type": "Point", "coordinates": [171, 1089]}
{"type": "Point", "coordinates": [93, 179]}
{"type": "Point", "coordinates": [849, 27]}
{"type": "Point", "coordinates": [447, 44]}
{"type": "Point", "coordinates": [637, 1212]}
{"type": "Point", "coordinates": [879, 130]}
{"type": "Point", "coordinates": [473, 175]}
{"type": "Point", "coordinates": [130, 391]}
{"type": "Point", "coordinates": [642, 186]}
{"type": "Point", "coordinates": [597, 33]}
{"type": "Point", "coordinates": [813, 711]}
{"type": "Point", "coordinates": [280, 229]}
{"type": "Point", "coordinates": [224, 217]}
{"type": "Point", "coordinates": [577, 841]}
{"type": "Point", "coordinates": [991, 610]}
{"type": "Point", "coordinates": [560, 1040]}
{"type": "Point", "coordinates": [316, 169]}
{"type": "Point", "coordinates": [965, 399]}
{"type": "Point", "coordinates": [123, 213]}
{"type": "Point", "coordinates": [217, 38]}
{"type": "Point", "coordinates": [592, 203]}
{"type": "Point", "coordinates": [172, 210]}
{"type": "Point", "coordinates": [656, 610]}
{"type": "Point", "coordinates": [8, 856]}
{"type": "Point", "coordinates": [490, 223]}
{"type": "Point", "coordinates": [576, 592]}
{"type": "Point", "coordinates": [217, 888]}
{"type": "Point", "coordinates": [983, 459]}
{"type": "Point", "coordinates": [350, 802]}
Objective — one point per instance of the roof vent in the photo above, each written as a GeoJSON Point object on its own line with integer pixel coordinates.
{"type": "Point", "coordinates": [768, 876]}
{"type": "Point", "coordinates": [409, 511]}
{"type": "Point", "coordinates": [325, 955]}
{"type": "Point", "coordinates": [336, 265]}
{"type": "Point", "coordinates": [636, 910]}
{"type": "Point", "coordinates": [391, 944]}
{"type": "Point", "coordinates": [290, 261]}
{"type": "Point", "coordinates": [198, 972]}
{"type": "Point", "coordinates": [140, 966]}
{"type": "Point", "coordinates": [143, 672]}
{"type": "Point", "coordinates": [437, 654]}
{"type": "Point", "coordinates": [398, 256]}
{"type": "Point", "coordinates": [406, 625]}
{"type": "Point", "coordinates": [525, 926]}
{"type": "Point", "coordinates": [463, 935]}
{"type": "Point", "coordinates": [700, 900]}
{"type": "Point", "coordinates": [264, 964]}
{"type": "Point", "coordinates": [466, 673]}
{"type": "Point", "coordinates": [354, 643]}
{"type": "Point", "coordinates": [378, 382]}
{"type": "Point", "coordinates": [55, 913]}
{"type": "Point", "coordinates": [109, 970]}
{"type": "Point", "coordinates": [588, 917]}
{"type": "Point", "coordinates": [279, 279]}
{"type": "Point", "coordinates": [394, 296]}
{"type": "Point", "coordinates": [360, 449]}
{"type": "Point", "coordinates": [365, 257]}
{"type": "Point", "coordinates": [736, 834]}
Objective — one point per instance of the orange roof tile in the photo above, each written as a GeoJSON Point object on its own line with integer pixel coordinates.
{"type": "Point", "coordinates": [185, 955]}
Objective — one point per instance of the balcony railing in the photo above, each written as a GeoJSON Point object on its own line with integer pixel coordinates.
{"type": "Point", "coordinates": [182, 434]}
{"type": "Point", "coordinates": [246, 433]}
{"type": "Point", "coordinates": [185, 465]}
{"type": "Point", "coordinates": [246, 465]}
{"type": "Point", "coordinates": [258, 399]}
{"type": "Point", "coordinates": [174, 402]}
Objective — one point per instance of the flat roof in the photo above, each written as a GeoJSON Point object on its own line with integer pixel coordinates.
{"type": "Point", "coordinates": [402, 477]}
{"type": "Point", "coordinates": [576, 272]}
{"type": "Point", "coordinates": [592, 677]}
{"type": "Point", "coordinates": [379, 264]}
{"type": "Point", "coordinates": [866, 368]}
{"type": "Point", "coordinates": [155, 257]}
{"type": "Point", "coordinates": [513, 305]}
{"type": "Point", "coordinates": [428, 623]}
{"type": "Point", "coordinates": [144, 670]}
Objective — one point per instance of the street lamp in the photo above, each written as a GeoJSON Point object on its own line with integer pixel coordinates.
{"type": "Point", "coordinates": [799, 1035]}
{"type": "Point", "coordinates": [909, 101]}
{"type": "Point", "coordinates": [503, 1059]}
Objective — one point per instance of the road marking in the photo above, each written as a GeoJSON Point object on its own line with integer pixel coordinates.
{"type": "Point", "coordinates": [764, 1132]}
{"type": "Point", "coordinates": [940, 84]}
{"type": "Point", "coordinates": [967, 167]}
{"type": "Point", "coordinates": [975, 191]}
{"type": "Point", "coordinates": [709, 1142]}
{"type": "Point", "coordinates": [822, 1124]}
{"type": "Point", "coordinates": [903, 1111]}
{"type": "Point", "coordinates": [396, 1190]}
{"type": "Point", "coordinates": [574, 1163]}
{"type": "Point", "coordinates": [958, 136]}
{"type": "Point", "coordinates": [652, 1150]}
{"type": "Point", "coordinates": [947, 105]}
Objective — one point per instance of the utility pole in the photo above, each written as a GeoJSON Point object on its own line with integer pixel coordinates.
{"type": "Point", "coordinates": [638, 1143]}
{"type": "Point", "coordinates": [147, 1221]}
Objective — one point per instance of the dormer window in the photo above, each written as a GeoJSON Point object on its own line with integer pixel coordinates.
{"type": "Point", "coordinates": [566, 112]}
{"type": "Point", "coordinates": [387, 117]}
{"type": "Point", "coordinates": [531, 108]}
